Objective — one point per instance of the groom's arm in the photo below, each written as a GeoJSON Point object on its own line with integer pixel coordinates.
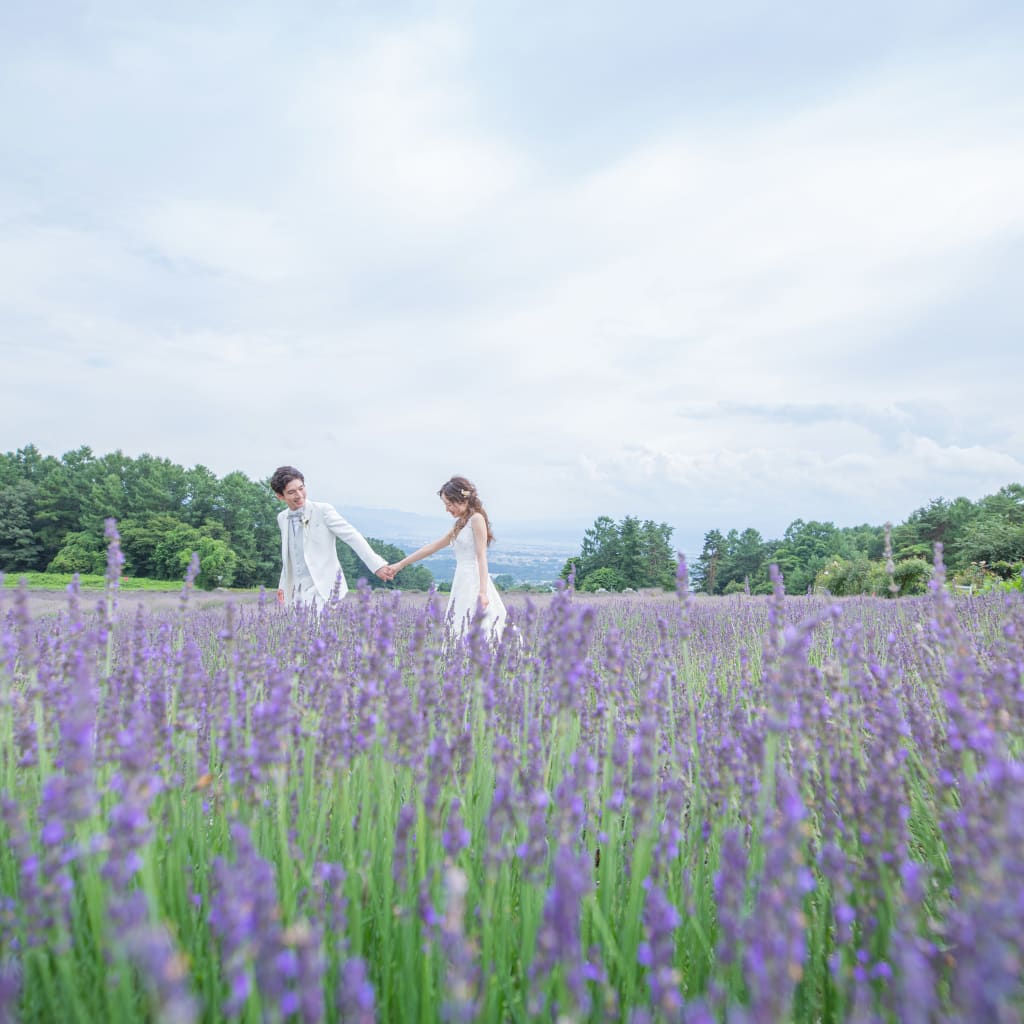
{"type": "Point", "coordinates": [344, 530]}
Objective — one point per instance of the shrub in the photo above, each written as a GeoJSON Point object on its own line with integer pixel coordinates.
{"type": "Point", "coordinates": [912, 576]}
{"type": "Point", "coordinates": [602, 579]}
{"type": "Point", "coordinates": [81, 553]}
{"type": "Point", "coordinates": [977, 577]}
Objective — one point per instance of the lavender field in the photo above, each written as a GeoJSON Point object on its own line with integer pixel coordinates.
{"type": "Point", "coordinates": [639, 809]}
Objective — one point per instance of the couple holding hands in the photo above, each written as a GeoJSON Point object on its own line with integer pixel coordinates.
{"type": "Point", "coordinates": [309, 559]}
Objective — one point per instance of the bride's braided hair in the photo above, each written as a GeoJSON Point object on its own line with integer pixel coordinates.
{"type": "Point", "coordinates": [458, 490]}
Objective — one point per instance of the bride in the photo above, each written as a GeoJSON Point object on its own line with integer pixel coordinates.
{"type": "Point", "coordinates": [472, 587]}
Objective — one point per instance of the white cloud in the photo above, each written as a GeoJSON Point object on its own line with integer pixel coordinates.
{"type": "Point", "coordinates": [346, 236]}
{"type": "Point", "coordinates": [225, 238]}
{"type": "Point", "coordinates": [396, 128]}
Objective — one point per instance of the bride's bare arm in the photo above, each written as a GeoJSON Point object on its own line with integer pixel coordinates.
{"type": "Point", "coordinates": [423, 552]}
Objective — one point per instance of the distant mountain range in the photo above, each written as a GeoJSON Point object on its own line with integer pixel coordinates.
{"type": "Point", "coordinates": [530, 552]}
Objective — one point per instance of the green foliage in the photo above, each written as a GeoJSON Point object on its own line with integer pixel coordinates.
{"type": "Point", "coordinates": [911, 575]}
{"type": "Point", "coordinates": [639, 553]}
{"type": "Point", "coordinates": [52, 514]}
{"type": "Point", "coordinates": [848, 577]}
{"type": "Point", "coordinates": [805, 549]}
{"type": "Point", "coordinates": [19, 548]}
{"type": "Point", "coordinates": [993, 540]}
{"type": "Point", "coordinates": [217, 564]}
{"type": "Point", "coordinates": [88, 581]}
{"type": "Point", "coordinates": [844, 577]}
{"type": "Point", "coordinates": [821, 556]}
{"type": "Point", "coordinates": [81, 552]}
{"type": "Point", "coordinates": [977, 578]}
{"type": "Point", "coordinates": [217, 561]}
{"type": "Point", "coordinates": [939, 522]}
{"type": "Point", "coordinates": [602, 579]}
{"type": "Point", "coordinates": [142, 538]}
{"type": "Point", "coordinates": [705, 570]}
{"type": "Point", "coordinates": [727, 562]}
{"type": "Point", "coordinates": [1013, 579]}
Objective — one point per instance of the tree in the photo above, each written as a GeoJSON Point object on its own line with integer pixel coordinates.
{"type": "Point", "coordinates": [81, 552]}
{"type": "Point", "coordinates": [911, 575]}
{"type": "Point", "coordinates": [744, 562]}
{"type": "Point", "coordinates": [630, 562]}
{"type": "Point", "coordinates": [1007, 504]}
{"type": "Point", "coordinates": [140, 539]}
{"type": "Point", "coordinates": [153, 486]}
{"type": "Point", "coordinates": [59, 503]}
{"type": "Point", "coordinates": [202, 493]}
{"type": "Point", "coordinates": [846, 577]}
{"type": "Point", "coordinates": [19, 549]}
{"type": "Point", "coordinates": [249, 513]}
{"type": "Point", "coordinates": [939, 522]}
{"type": "Point", "coordinates": [705, 576]}
{"type": "Point", "coordinates": [659, 559]}
{"type": "Point", "coordinates": [600, 541]}
{"type": "Point", "coordinates": [639, 553]}
{"type": "Point", "coordinates": [991, 540]}
{"type": "Point", "coordinates": [865, 541]}
{"type": "Point", "coordinates": [603, 579]}
{"type": "Point", "coordinates": [804, 551]}
{"type": "Point", "coordinates": [217, 562]}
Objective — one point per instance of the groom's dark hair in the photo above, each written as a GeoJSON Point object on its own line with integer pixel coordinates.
{"type": "Point", "coordinates": [283, 476]}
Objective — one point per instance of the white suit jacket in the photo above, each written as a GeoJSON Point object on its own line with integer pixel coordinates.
{"type": "Point", "coordinates": [320, 525]}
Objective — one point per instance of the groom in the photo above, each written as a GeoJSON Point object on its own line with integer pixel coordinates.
{"type": "Point", "coordinates": [309, 558]}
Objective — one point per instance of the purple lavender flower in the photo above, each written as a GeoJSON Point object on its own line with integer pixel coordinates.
{"type": "Point", "coordinates": [356, 997]}
{"type": "Point", "coordinates": [559, 941]}
{"type": "Point", "coordinates": [462, 975]}
{"type": "Point", "coordinates": [658, 952]}
{"type": "Point", "coordinates": [10, 985]}
{"type": "Point", "coordinates": [246, 919]}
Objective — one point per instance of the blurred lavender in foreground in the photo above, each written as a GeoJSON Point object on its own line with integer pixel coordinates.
{"type": "Point", "coordinates": [653, 808]}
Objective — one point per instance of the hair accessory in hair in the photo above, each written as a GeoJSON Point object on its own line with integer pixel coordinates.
{"type": "Point", "coordinates": [465, 494]}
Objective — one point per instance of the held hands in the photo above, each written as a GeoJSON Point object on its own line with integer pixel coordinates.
{"type": "Point", "coordinates": [387, 573]}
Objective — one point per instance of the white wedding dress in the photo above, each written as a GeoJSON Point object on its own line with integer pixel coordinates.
{"type": "Point", "coordinates": [462, 604]}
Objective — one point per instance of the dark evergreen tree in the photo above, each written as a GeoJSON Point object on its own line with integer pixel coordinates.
{"type": "Point", "coordinates": [705, 574]}
{"type": "Point", "coordinates": [639, 554]}
{"type": "Point", "coordinates": [19, 549]}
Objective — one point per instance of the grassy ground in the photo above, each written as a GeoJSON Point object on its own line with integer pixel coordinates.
{"type": "Point", "coordinates": [47, 592]}
{"type": "Point", "coordinates": [59, 581]}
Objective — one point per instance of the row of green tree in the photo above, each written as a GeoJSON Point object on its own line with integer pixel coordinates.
{"type": "Point", "coordinates": [626, 555]}
{"type": "Point", "coordinates": [983, 542]}
{"type": "Point", "coordinates": [53, 511]}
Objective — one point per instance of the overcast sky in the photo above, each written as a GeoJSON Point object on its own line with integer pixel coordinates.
{"type": "Point", "coordinates": [723, 265]}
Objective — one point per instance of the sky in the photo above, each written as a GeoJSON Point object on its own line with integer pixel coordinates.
{"type": "Point", "coordinates": [718, 265]}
